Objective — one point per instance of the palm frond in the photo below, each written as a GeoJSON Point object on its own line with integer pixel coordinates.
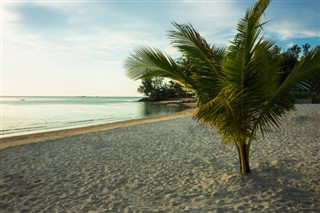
{"type": "Point", "coordinates": [222, 113]}
{"type": "Point", "coordinates": [219, 53]}
{"type": "Point", "coordinates": [201, 77]}
{"type": "Point", "coordinates": [244, 45]}
{"type": "Point", "coordinates": [191, 43]}
{"type": "Point", "coordinates": [149, 62]}
{"type": "Point", "coordinates": [306, 72]}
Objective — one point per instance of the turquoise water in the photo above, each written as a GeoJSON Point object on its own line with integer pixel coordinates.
{"type": "Point", "coordinates": [25, 115]}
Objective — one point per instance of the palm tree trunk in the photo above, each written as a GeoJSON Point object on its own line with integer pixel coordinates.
{"type": "Point", "coordinates": [243, 151]}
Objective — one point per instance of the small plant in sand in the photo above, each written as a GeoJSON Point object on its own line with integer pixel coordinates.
{"type": "Point", "coordinates": [238, 89]}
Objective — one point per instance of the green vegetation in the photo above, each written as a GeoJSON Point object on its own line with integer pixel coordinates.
{"type": "Point", "coordinates": [156, 89]}
{"type": "Point", "coordinates": [239, 90]}
{"type": "Point", "coordinates": [289, 60]}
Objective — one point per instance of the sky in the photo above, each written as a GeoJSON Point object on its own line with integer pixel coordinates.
{"type": "Point", "coordinates": [78, 48]}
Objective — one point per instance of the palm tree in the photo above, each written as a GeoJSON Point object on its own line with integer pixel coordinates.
{"type": "Point", "coordinates": [238, 89]}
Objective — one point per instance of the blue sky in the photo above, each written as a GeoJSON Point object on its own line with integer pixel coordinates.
{"type": "Point", "coordinates": [75, 48]}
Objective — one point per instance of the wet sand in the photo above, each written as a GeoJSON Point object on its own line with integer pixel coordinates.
{"type": "Point", "coordinates": [172, 165]}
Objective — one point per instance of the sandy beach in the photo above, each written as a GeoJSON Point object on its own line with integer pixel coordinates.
{"type": "Point", "coordinates": [164, 164]}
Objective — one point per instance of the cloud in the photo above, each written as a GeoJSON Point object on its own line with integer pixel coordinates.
{"type": "Point", "coordinates": [211, 19]}
{"type": "Point", "coordinates": [86, 58]}
{"type": "Point", "coordinates": [293, 20]}
{"type": "Point", "coordinates": [291, 44]}
{"type": "Point", "coordinates": [37, 71]}
{"type": "Point", "coordinates": [87, 42]}
{"type": "Point", "coordinates": [285, 30]}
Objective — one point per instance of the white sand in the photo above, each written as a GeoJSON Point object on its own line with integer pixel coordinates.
{"type": "Point", "coordinates": [167, 166]}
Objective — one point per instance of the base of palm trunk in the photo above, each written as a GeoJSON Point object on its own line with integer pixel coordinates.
{"type": "Point", "coordinates": [243, 152]}
{"type": "Point", "coordinates": [246, 169]}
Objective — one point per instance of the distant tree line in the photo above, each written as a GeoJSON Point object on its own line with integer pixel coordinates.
{"type": "Point", "coordinates": [290, 58]}
{"type": "Point", "coordinates": [157, 89]}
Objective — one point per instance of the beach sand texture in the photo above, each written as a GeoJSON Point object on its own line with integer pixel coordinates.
{"type": "Point", "coordinates": [167, 166]}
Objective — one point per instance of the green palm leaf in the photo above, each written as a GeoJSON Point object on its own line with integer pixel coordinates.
{"type": "Point", "coordinates": [190, 43]}
{"type": "Point", "coordinates": [297, 84]}
{"type": "Point", "coordinates": [144, 62]}
{"type": "Point", "coordinates": [200, 79]}
{"type": "Point", "coordinates": [221, 112]}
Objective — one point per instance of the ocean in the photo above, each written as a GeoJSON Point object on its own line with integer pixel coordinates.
{"type": "Point", "coordinates": [26, 115]}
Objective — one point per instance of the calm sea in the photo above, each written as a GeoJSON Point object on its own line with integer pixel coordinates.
{"type": "Point", "coordinates": [25, 115]}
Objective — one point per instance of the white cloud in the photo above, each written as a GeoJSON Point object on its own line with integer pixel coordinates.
{"type": "Point", "coordinates": [213, 15]}
{"type": "Point", "coordinates": [290, 44]}
{"type": "Point", "coordinates": [216, 21]}
{"type": "Point", "coordinates": [36, 71]}
{"type": "Point", "coordinates": [89, 49]}
{"type": "Point", "coordinates": [89, 53]}
{"type": "Point", "coordinates": [67, 63]}
{"type": "Point", "coordinates": [289, 29]}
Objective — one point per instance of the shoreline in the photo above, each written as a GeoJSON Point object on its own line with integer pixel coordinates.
{"type": "Point", "coordinates": [13, 141]}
